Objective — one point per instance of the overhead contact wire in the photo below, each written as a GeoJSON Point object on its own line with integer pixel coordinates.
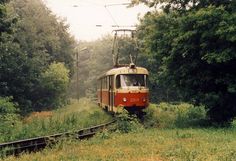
{"type": "Point", "coordinates": [111, 16]}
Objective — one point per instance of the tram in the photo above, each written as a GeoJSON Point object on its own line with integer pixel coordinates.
{"type": "Point", "coordinates": [124, 86]}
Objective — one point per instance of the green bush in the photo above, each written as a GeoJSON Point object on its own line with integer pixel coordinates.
{"type": "Point", "coordinates": [233, 124]}
{"type": "Point", "coordinates": [7, 106]}
{"type": "Point", "coordinates": [127, 123]}
{"type": "Point", "coordinates": [165, 115]}
{"type": "Point", "coordinates": [9, 119]}
{"type": "Point", "coordinates": [159, 116]}
{"type": "Point", "coordinates": [189, 115]}
{"type": "Point", "coordinates": [54, 82]}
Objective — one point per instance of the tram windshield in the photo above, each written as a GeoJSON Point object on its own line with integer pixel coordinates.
{"type": "Point", "coordinates": [131, 80]}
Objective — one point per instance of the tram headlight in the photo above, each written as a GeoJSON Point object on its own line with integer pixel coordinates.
{"type": "Point", "coordinates": [144, 100]}
{"type": "Point", "coordinates": [125, 99]}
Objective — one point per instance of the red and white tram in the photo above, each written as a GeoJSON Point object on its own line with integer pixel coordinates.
{"type": "Point", "coordinates": [123, 87]}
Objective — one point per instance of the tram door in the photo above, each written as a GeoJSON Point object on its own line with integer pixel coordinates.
{"type": "Point", "coordinates": [111, 92]}
{"type": "Point", "coordinates": [100, 90]}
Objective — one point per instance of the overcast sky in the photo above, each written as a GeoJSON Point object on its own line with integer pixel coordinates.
{"type": "Point", "coordinates": [84, 15]}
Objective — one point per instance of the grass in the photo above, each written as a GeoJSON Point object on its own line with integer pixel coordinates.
{"type": "Point", "coordinates": [77, 115]}
{"type": "Point", "coordinates": [150, 144]}
{"type": "Point", "coordinates": [171, 134]}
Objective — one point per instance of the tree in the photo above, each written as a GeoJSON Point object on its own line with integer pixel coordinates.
{"type": "Point", "coordinates": [194, 51]}
{"type": "Point", "coordinates": [54, 82]}
{"type": "Point", "coordinates": [157, 30]}
{"type": "Point", "coordinates": [12, 59]}
{"type": "Point", "coordinates": [184, 5]}
{"type": "Point", "coordinates": [31, 39]}
{"type": "Point", "coordinates": [42, 35]}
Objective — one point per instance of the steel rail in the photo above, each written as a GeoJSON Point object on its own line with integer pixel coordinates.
{"type": "Point", "coordinates": [38, 143]}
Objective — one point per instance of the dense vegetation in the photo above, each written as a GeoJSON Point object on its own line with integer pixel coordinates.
{"type": "Point", "coordinates": [152, 144]}
{"type": "Point", "coordinates": [36, 59]}
{"type": "Point", "coordinates": [77, 115]}
{"type": "Point", "coordinates": [169, 132]}
{"type": "Point", "coordinates": [191, 54]}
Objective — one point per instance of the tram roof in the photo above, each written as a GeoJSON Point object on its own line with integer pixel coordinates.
{"type": "Point", "coordinates": [126, 70]}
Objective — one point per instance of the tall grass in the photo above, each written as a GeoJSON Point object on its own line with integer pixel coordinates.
{"type": "Point", "coordinates": [152, 144]}
{"type": "Point", "coordinates": [182, 115]}
{"type": "Point", "coordinates": [78, 114]}
{"type": "Point", "coordinates": [169, 135]}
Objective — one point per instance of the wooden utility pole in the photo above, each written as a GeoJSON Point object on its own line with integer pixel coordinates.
{"type": "Point", "coordinates": [77, 74]}
{"type": "Point", "coordinates": [77, 71]}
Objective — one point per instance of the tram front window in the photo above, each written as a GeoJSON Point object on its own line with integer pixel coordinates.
{"type": "Point", "coordinates": [131, 80]}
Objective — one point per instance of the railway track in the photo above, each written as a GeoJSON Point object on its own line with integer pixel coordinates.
{"type": "Point", "coordinates": [38, 143]}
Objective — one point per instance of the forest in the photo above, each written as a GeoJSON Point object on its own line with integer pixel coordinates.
{"type": "Point", "coordinates": [36, 60]}
{"type": "Point", "coordinates": [188, 46]}
{"type": "Point", "coordinates": [191, 51]}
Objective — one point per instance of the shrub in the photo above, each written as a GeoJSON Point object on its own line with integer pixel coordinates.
{"type": "Point", "coordinates": [54, 82]}
{"type": "Point", "coordinates": [233, 125]}
{"type": "Point", "coordinates": [165, 115]}
{"type": "Point", "coordinates": [9, 119]}
{"type": "Point", "coordinates": [189, 115]}
{"type": "Point", "coordinates": [127, 123]}
{"type": "Point", "coordinates": [159, 116]}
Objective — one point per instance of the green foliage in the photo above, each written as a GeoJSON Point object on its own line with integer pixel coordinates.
{"type": "Point", "coordinates": [127, 123]}
{"type": "Point", "coordinates": [54, 81]}
{"type": "Point", "coordinates": [189, 115]}
{"type": "Point", "coordinates": [184, 5]}
{"type": "Point", "coordinates": [41, 34]}
{"type": "Point", "coordinates": [10, 60]}
{"type": "Point", "coordinates": [31, 39]}
{"type": "Point", "coordinates": [9, 118]}
{"type": "Point", "coordinates": [165, 115]}
{"type": "Point", "coordinates": [6, 106]}
{"type": "Point", "coordinates": [156, 117]}
{"type": "Point", "coordinates": [72, 117]}
{"type": "Point", "coordinates": [193, 54]}
{"type": "Point", "coordinates": [56, 77]}
{"type": "Point", "coordinates": [5, 21]}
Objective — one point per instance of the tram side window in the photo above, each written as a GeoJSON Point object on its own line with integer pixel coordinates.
{"type": "Point", "coordinates": [99, 84]}
{"type": "Point", "coordinates": [107, 82]}
{"type": "Point", "coordinates": [104, 83]}
{"type": "Point", "coordinates": [118, 85]}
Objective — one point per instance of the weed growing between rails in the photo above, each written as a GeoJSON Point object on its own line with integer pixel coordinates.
{"type": "Point", "coordinates": [126, 122]}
